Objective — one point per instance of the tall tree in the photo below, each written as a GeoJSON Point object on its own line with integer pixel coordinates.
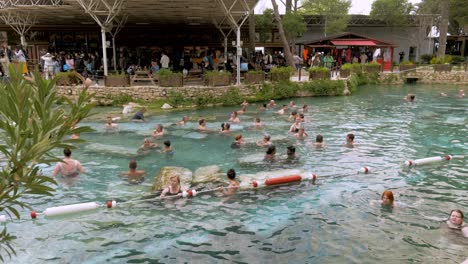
{"type": "Point", "coordinates": [264, 23]}
{"type": "Point", "coordinates": [444, 10]}
{"type": "Point", "coordinates": [32, 124]}
{"type": "Point", "coordinates": [334, 12]}
{"type": "Point", "coordinates": [284, 40]}
{"type": "Point", "coordinates": [392, 12]}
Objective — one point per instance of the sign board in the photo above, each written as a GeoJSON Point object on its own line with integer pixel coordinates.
{"type": "Point", "coordinates": [239, 51]}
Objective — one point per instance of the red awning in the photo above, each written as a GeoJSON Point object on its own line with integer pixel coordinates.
{"type": "Point", "coordinates": [343, 42]}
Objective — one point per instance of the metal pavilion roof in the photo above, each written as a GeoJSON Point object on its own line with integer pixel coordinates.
{"type": "Point", "coordinates": [222, 13]}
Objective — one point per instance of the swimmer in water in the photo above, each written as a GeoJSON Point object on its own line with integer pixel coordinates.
{"type": "Point", "coordinates": [242, 110]}
{"type": "Point", "coordinates": [140, 115]}
{"type": "Point", "coordinates": [270, 153]}
{"type": "Point", "coordinates": [158, 131]}
{"type": "Point", "coordinates": [461, 93]}
{"type": "Point", "coordinates": [387, 200]}
{"type": "Point", "coordinates": [350, 140]}
{"type": "Point", "coordinates": [295, 126]}
{"type": "Point", "coordinates": [282, 110]}
{"type": "Point", "coordinates": [68, 167]}
{"type": "Point", "coordinates": [225, 128]}
{"type": "Point", "coordinates": [184, 121]}
{"type": "Point", "coordinates": [293, 115]}
{"type": "Point", "coordinates": [258, 123]}
{"type": "Point", "coordinates": [174, 188]}
{"type": "Point", "coordinates": [147, 146]}
{"type": "Point", "coordinates": [292, 104]}
{"type": "Point", "coordinates": [319, 141]}
{"type": "Point", "coordinates": [455, 221]}
{"type": "Point", "coordinates": [301, 134]}
{"type": "Point", "coordinates": [265, 141]}
{"type": "Point", "coordinates": [291, 153]}
{"type": "Point", "coordinates": [410, 97]}
{"type": "Point", "coordinates": [133, 175]}
{"type": "Point", "coordinates": [233, 184]}
{"type": "Point", "coordinates": [239, 141]}
{"type": "Point", "coordinates": [234, 118]}
{"type": "Point", "coordinates": [110, 125]}
{"type": "Point", "coordinates": [304, 109]}
{"type": "Point", "coordinates": [167, 147]}
{"type": "Point", "coordinates": [271, 104]}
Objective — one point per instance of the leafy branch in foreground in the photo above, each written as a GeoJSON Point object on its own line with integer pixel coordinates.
{"type": "Point", "coordinates": [32, 124]}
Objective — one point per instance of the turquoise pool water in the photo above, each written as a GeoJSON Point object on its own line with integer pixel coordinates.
{"type": "Point", "coordinates": [302, 223]}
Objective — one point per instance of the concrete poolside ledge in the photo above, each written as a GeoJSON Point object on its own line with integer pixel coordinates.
{"type": "Point", "coordinates": [426, 77]}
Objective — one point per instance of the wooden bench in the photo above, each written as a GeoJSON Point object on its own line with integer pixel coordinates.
{"type": "Point", "coordinates": [144, 76]}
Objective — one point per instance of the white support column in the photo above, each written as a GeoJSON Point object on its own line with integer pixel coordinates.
{"type": "Point", "coordinates": [104, 50]}
{"type": "Point", "coordinates": [225, 50]}
{"type": "Point", "coordinates": [114, 54]}
{"type": "Point", "coordinates": [239, 54]}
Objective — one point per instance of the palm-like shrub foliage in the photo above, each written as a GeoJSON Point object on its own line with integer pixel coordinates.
{"type": "Point", "coordinates": [34, 120]}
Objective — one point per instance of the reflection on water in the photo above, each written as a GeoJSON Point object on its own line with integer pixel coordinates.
{"type": "Point", "coordinates": [301, 223]}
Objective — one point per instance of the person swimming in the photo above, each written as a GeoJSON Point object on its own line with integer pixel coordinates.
{"type": "Point", "coordinates": [110, 125]}
{"type": "Point", "coordinates": [233, 184]}
{"type": "Point", "coordinates": [174, 188]}
{"type": "Point", "coordinates": [158, 131]}
{"type": "Point", "coordinates": [184, 121]}
{"type": "Point", "coordinates": [140, 115]}
{"type": "Point", "coordinates": [282, 110]}
{"type": "Point", "coordinates": [270, 153]}
{"type": "Point", "coordinates": [291, 153]}
{"type": "Point", "coordinates": [133, 175]}
{"type": "Point", "coordinates": [239, 141]}
{"type": "Point", "coordinates": [258, 123]}
{"type": "Point", "coordinates": [225, 128]}
{"type": "Point", "coordinates": [319, 141]}
{"type": "Point", "coordinates": [455, 221]}
{"type": "Point", "coordinates": [265, 141]}
{"type": "Point", "coordinates": [234, 117]}
{"type": "Point", "coordinates": [350, 140]}
{"type": "Point", "coordinates": [68, 167]}
{"type": "Point", "coordinates": [147, 146]}
{"type": "Point", "coordinates": [301, 134]}
{"type": "Point", "coordinates": [167, 147]}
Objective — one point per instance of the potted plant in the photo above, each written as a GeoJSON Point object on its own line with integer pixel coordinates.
{"type": "Point", "coordinates": [372, 67]}
{"type": "Point", "coordinates": [117, 80]}
{"type": "Point", "coordinates": [281, 73]}
{"type": "Point", "coordinates": [442, 64]}
{"type": "Point", "coordinates": [168, 78]}
{"type": "Point", "coordinates": [407, 66]}
{"type": "Point", "coordinates": [217, 78]}
{"type": "Point", "coordinates": [255, 76]}
{"type": "Point", "coordinates": [319, 73]}
{"type": "Point", "coordinates": [345, 70]}
{"type": "Point", "coordinates": [69, 78]}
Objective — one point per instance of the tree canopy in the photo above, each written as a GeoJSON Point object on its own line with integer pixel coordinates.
{"type": "Point", "coordinates": [458, 13]}
{"type": "Point", "coordinates": [264, 23]}
{"type": "Point", "coordinates": [392, 12]}
{"type": "Point", "coordinates": [334, 12]}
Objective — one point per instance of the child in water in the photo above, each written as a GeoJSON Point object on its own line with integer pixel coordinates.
{"type": "Point", "coordinates": [167, 147]}
{"type": "Point", "coordinates": [233, 184]}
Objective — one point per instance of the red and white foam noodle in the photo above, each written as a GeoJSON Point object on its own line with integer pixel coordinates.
{"type": "Point", "coordinates": [427, 160]}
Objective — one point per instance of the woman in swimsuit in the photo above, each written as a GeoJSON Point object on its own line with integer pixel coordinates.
{"type": "Point", "coordinates": [173, 188]}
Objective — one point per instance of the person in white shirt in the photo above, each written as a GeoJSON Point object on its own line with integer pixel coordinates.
{"type": "Point", "coordinates": [48, 65]}
{"type": "Point", "coordinates": [165, 61]}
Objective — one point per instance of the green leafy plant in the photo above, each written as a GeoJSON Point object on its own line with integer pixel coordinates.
{"type": "Point", "coordinates": [168, 73]}
{"type": "Point", "coordinates": [289, 70]}
{"type": "Point", "coordinates": [407, 63]}
{"type": "Point", "coordinates": [324, 87]}
{"type": "Point", "coordinates": [442, 60]}
{"type": "Point", "coordinates": [426, 58]}
{"type": "Point", "coordinates": [457, 59]}
{"type": "Point", "coordinates": [319, 69]}
{"type": "Point", "coordinates": [176, 98]}
{"type": "Point", "coordinates": [233, 97]}
{"type": "Point", "coordinates": [32, 125]}
{"type": "Point", "coordinates": [352, 67]}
